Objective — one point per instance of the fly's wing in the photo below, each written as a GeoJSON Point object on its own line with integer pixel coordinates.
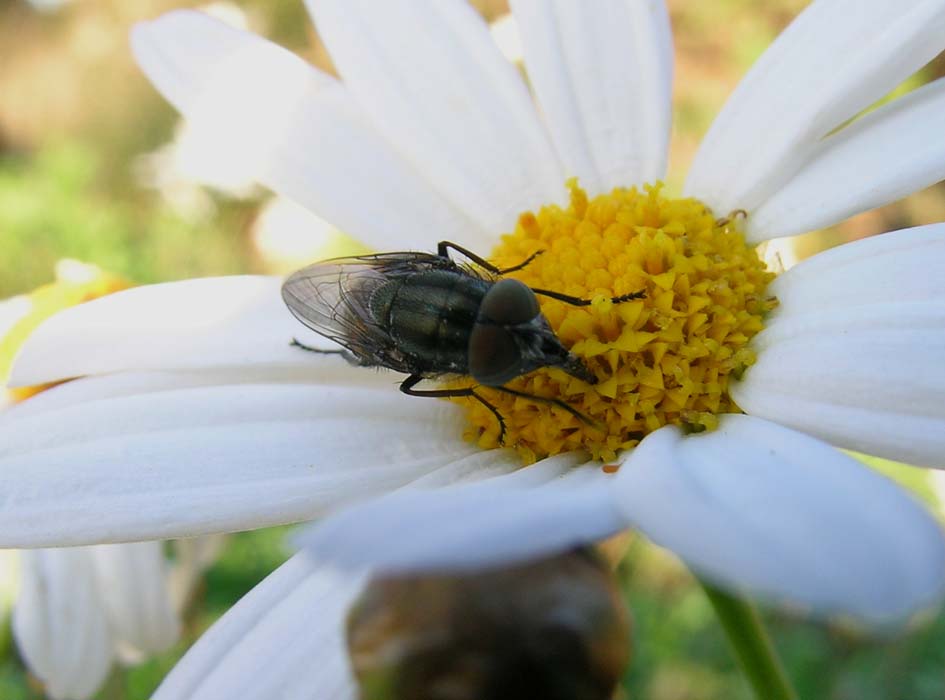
{"type": "Point", "coordinates": [333, 298]}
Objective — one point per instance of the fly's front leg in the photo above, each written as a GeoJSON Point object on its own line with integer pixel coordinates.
{"type": "Point", "coordinates": [736, 214]}
{"type": "Point", "coordinates": [577, 301]}
{"type": "Point", "coordinates": [555, 402]}
{"type": "Point", "coordinates": [407, 386]}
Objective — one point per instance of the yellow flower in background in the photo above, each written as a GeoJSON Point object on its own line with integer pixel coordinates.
{"type": "Point", "coordinates": [75, 282]}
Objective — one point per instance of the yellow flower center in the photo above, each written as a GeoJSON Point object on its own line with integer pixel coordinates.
{"type": "Point", "coordinates": [666, 358]}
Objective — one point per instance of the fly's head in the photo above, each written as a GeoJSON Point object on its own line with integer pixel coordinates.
{"type": "Point", "coordinates": [511, 337]}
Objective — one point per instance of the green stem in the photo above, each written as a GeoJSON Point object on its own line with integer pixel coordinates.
{"type": "Point", "coordinates": [114, 688]}
{"type": "Point", "coordinates": [6, 635]}
{"type": "Point", "coordinates": [751, 645]}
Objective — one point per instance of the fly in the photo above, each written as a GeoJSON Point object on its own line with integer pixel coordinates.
{"type": "Point", "coordinates": [427, 316]}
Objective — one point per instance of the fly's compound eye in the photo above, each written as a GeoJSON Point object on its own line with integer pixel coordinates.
{"type": "Point", "coordinates": [509, 302]}
{"type": "Point", "coordinates": [494, 356]}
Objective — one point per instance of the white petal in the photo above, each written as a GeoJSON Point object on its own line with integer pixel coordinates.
{"type": "Point", "coordinates": [870, 379]}
{"type": "Point", "coordinates": [132, 581]}
{"type": "Point", "coordinates": [285, 639]}
{"type": "Point", "coordinates": [917, 319]}
{"type": "Point", "coordinates": [297, 129]}
{"type": "Point", "coordinates": [435, 84]}
{"type": "Point", "coordinates": [216, 322]}
{"type": "Point", "coordinates": [211, 459]}
{"type": "Point", "coordinates": [768, 511]}
{"type": "Point", "coordinates": [60, 624]}
{"type": "Point", "coordinates": [888, 154]}
{"type": "Point", "coordinates": [902, 266]}
{"type": "Point", "coordinates": [602, 73]}
{"type": "Point", "coordinates": [834, 60]}
{"type": "Point", "coordinates": [853, 353]}
{"type": "Point", "coordinates": [544, 508]}
{"type": "Point", "coordinates": [123, 384]}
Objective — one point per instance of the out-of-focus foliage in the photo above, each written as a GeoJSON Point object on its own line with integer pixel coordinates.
{"type": "Point", "coordinates": [53, 204]}
{"type": "Point", "coordinates": [77, 121]}
{"type": "Point", "coordinates": [680, 652]}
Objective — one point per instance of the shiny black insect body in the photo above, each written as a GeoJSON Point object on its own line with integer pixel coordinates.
{"type": "Point", "coordinates": [427, 316]}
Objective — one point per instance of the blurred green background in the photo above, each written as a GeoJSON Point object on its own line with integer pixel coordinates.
{"type": "Point", "coordinates": [86, 172]}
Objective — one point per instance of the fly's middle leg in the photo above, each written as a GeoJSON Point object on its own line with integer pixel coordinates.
{"type": "Point", "coordinates": [577, 301]}
{"type": "Point", "coordinates": [555, 402]}
{"type": "Point", "coordinates": [407, 386]}
{"type": "Point", "coordinates": [521, 264]}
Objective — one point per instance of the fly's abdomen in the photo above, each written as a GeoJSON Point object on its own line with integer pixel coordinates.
{"type": "Point", "coordinates": [430, 316]}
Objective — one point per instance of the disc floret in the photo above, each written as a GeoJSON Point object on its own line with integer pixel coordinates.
{"type": "Point", "coordinates": [666, 358]}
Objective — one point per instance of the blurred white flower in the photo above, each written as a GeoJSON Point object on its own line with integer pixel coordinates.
{"type": "Point", "coordinates": [287, 235]}
{"type": "Point", "coordinates": [81, 609]}
{"type": "Point", "coordinates": [194, 160]}
{"type": "Point", "coordinates": [182, 170]}
{"type": "Point", "coordinates": [192, 557]}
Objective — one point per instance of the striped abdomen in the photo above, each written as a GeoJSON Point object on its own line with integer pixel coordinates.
{"type": "Point", "coordinates": [430, 316]}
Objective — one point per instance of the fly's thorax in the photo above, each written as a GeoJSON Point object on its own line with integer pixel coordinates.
{"type": "Point", "coordinates": [666, 358]}
{"type": "Point", "coordinates": [430, 315]}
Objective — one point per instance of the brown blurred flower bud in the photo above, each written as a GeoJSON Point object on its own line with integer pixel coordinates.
{"type": "Point", "coordinates": [554, 629]}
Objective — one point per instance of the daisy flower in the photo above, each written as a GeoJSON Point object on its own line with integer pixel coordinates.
{"type": "Point", "coordinates": [80, 610]}
{"type": "Point", "coordinates": [721, 397]}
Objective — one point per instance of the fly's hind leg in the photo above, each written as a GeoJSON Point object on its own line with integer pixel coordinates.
{"type": "Point", "coordinates": [349, 357]}
{"type": "Point", "coordinates": [296, 343]}
{"type": "Point", "coordinates": [407, 386]}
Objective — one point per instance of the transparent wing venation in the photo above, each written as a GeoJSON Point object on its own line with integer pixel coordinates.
{"type": "Point", "coordinates": [333, 298]}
